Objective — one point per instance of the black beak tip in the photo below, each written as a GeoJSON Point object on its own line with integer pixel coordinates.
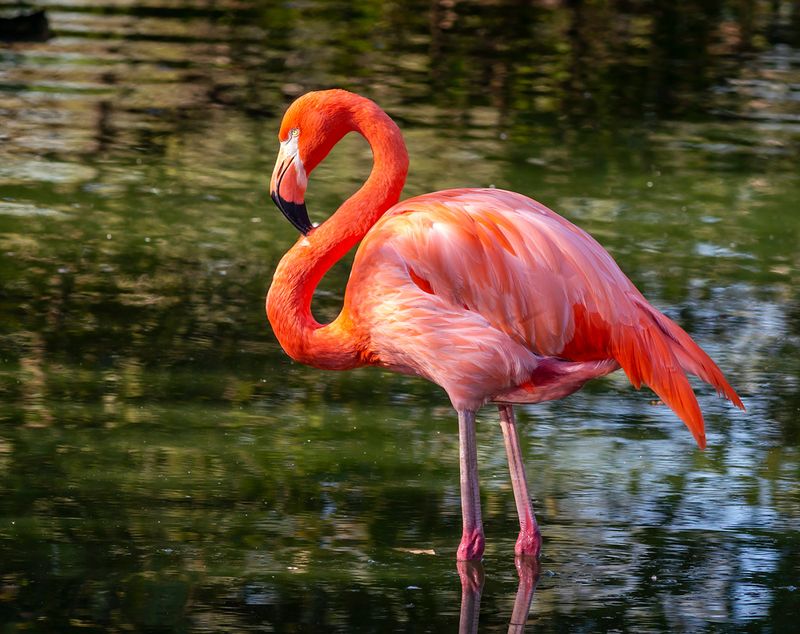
{"type": "Point", "coordinates": [296, 213]}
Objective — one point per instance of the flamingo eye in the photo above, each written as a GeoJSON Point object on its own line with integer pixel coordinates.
{"type": "Point", "coordinates": [292, 134]}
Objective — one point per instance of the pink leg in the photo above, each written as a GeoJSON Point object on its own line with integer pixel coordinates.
{"type": "Point", "coordinates": [471, 547]}
{"type": "Point", "coordinates": [529, 541]}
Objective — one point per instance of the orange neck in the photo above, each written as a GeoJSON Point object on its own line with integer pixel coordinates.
{"type": "Point", "coordinates": [338, 345]}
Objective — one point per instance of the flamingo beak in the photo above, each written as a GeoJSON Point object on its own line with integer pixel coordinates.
{"type": "Point", "coordinates": [287, 187]}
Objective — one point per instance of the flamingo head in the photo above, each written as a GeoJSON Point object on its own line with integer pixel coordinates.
{"type": "Point", "coordinates": [312, 125]}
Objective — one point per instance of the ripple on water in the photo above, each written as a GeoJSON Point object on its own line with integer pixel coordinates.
{"type": "Point", "coordinates": [45, 172]}
{"type": "Point", "coordinates": [28, 210]}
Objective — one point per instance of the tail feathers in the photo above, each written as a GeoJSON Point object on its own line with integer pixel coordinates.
{"type": "Point", "coordinates": [693, 359]}
{"type": "Point", "coordinates": [658, 352]}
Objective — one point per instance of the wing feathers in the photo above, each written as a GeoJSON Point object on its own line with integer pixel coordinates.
{"type": "Point", "coordinates": [658, 352]}
{"type": "Point", "coordinates": [646, 357]}
{"type": "Point", "coordinates": [692, 357]}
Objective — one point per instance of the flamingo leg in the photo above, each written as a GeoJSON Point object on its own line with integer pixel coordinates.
{"type": "Point", "coordinates": [529, 541]}
{"type": "Point", "coordinates": [472, 540]}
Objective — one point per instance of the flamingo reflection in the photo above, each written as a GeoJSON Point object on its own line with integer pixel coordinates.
{"type": "Point", "coordinates": [472, 577]}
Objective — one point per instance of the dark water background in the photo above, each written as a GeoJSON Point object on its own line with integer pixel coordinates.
{"type": "Point", "coordinates": [164, 467]}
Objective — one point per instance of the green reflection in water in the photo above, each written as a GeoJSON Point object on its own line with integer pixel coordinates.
{"type": "Point", "coordinates": [163, 466]}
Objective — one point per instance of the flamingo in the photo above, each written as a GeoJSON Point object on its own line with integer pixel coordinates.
{"type": "Point", "coordinates": [487, 293]}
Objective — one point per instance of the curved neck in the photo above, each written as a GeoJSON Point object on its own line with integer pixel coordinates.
{"type": "Point", "coordinates": [338, 345]}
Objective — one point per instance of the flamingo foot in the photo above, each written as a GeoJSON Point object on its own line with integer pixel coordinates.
{"type": "Point", "coordinates": [529, 543]}
{"type": "Point", "coordinates": [471, 546]}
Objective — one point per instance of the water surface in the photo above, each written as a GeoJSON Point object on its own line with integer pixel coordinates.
{"type": "Point", "coordinates": [165, 467]}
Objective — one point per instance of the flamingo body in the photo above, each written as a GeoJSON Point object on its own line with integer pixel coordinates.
{"type": "Point", "coordinates": [440, 285]}
{"type": "Point", "coordinates": [495, 297]}
{"type": "Point", "coordinates": [485, 292]}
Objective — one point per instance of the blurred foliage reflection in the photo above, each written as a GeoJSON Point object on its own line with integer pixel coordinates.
{"type": "Point", "coordinates": [163, 466]}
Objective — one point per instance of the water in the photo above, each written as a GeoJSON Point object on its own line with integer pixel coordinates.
{"type": "Point", "coordinates": [164, 467]}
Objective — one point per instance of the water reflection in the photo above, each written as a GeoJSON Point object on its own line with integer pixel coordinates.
{"type": "Point", "coordinates": [162, 464]}
{"type": "Point", "coordinates": [528, 570]}
{"type": "Point", "coordinates": [472, 577]}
